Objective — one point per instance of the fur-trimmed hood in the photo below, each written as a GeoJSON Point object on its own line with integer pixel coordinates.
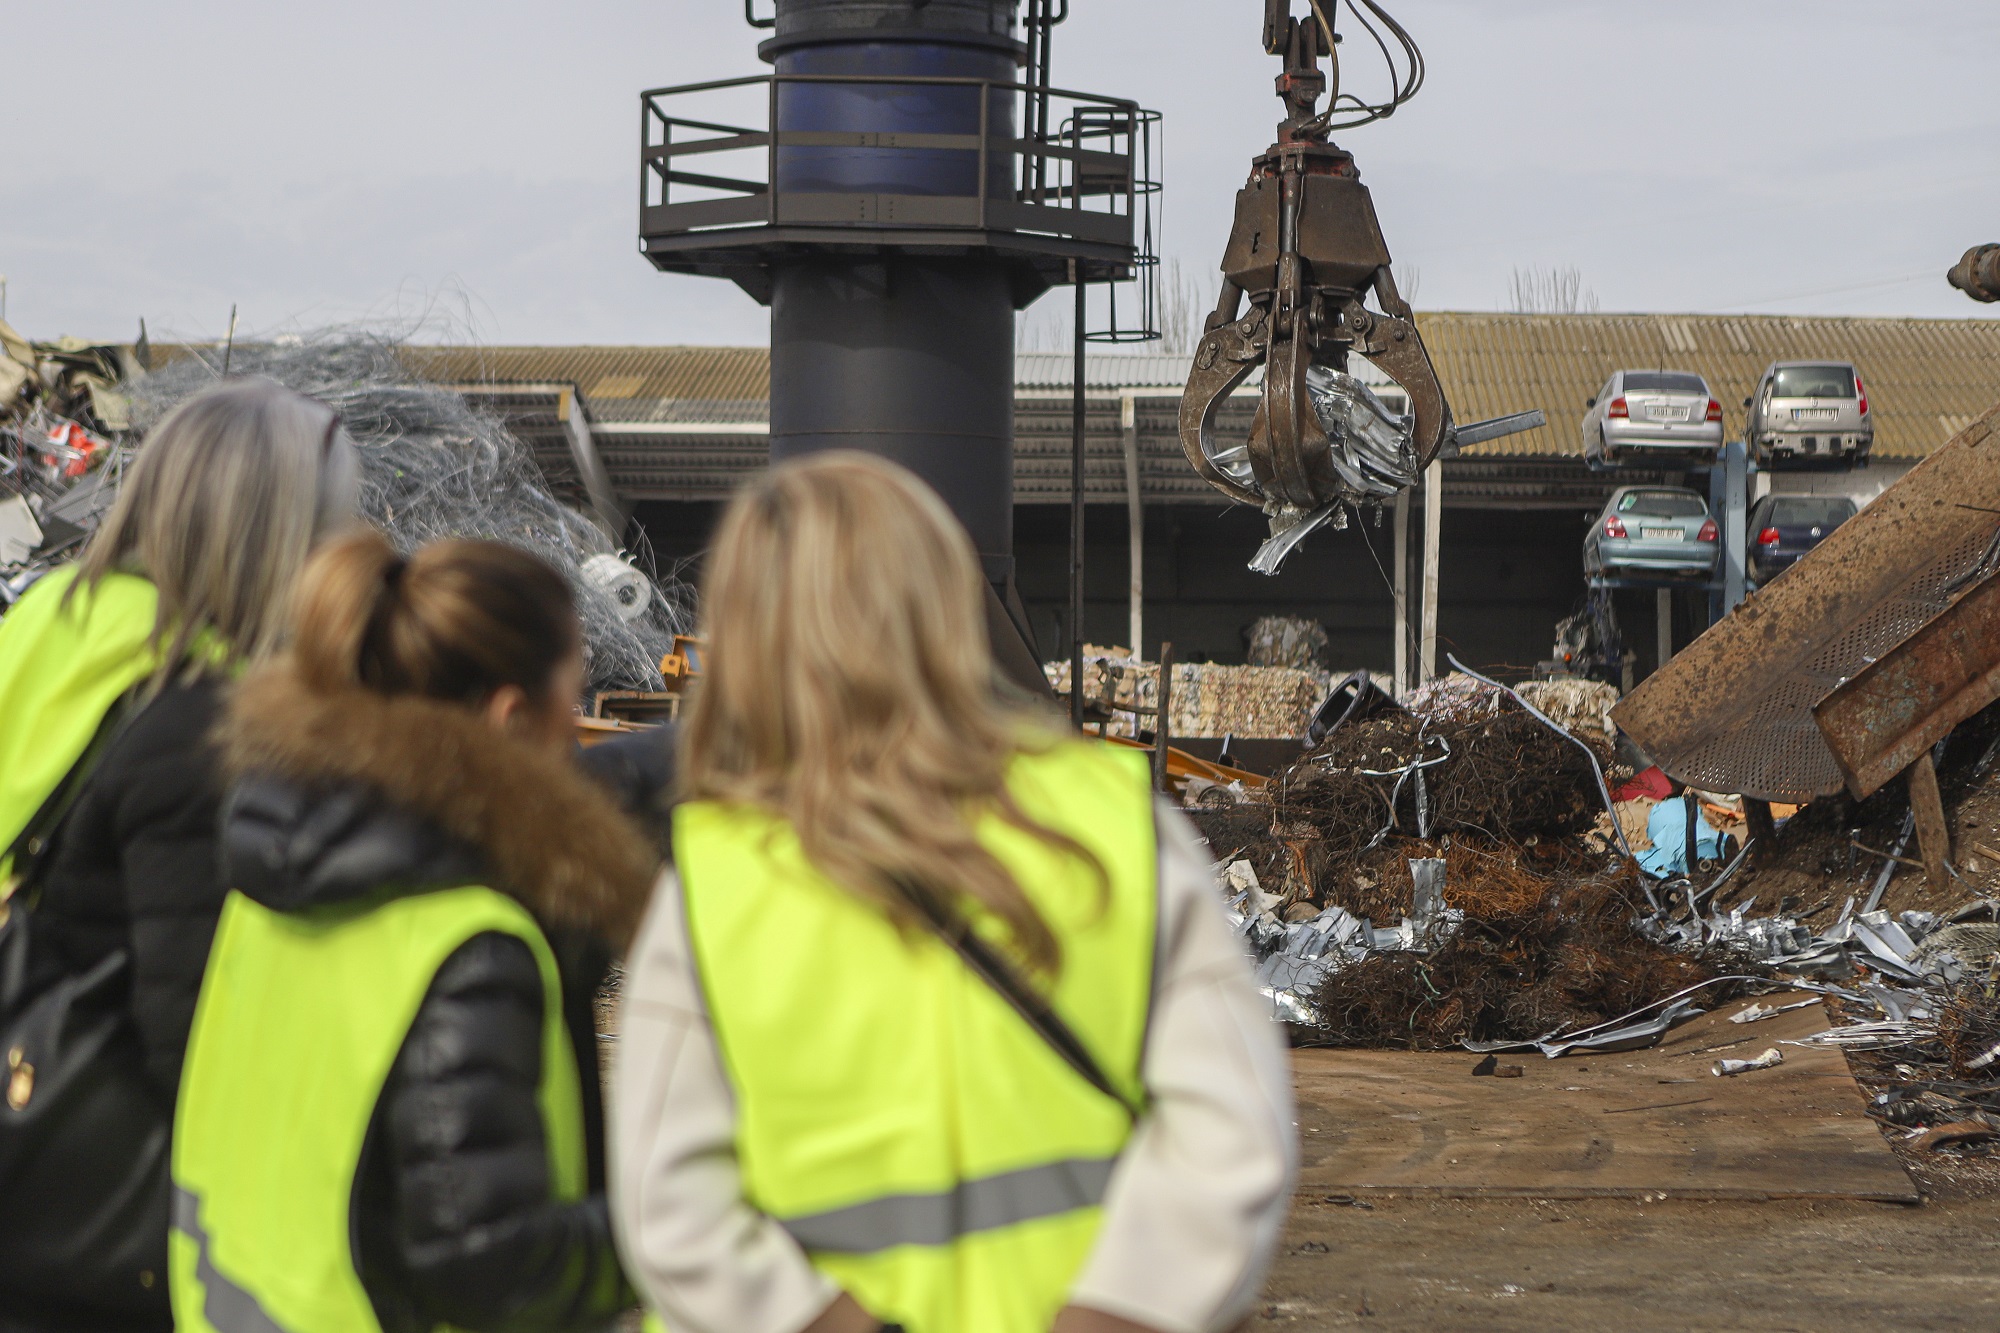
{"type": "Point", "coordinates": [337, 797]}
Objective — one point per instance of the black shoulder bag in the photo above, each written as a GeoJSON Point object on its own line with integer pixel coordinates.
{"type": "Point", "coordinates": [993, 968]}
{"type": "Point", "coordinates": [83, 1132]}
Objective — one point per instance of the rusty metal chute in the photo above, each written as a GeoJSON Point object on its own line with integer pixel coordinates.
{"type": "Point", "coordinates": [1795, 696]}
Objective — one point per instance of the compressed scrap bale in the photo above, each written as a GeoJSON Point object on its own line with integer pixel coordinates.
{"type": "Point", "coordinates": [1580, 707]}
{"type": "Point", "coordinates": [1209, 698]}
{"type": "Point", "coordinates": [1286, 641]}
{"type": "Point", "coordinates": [1454, 698]}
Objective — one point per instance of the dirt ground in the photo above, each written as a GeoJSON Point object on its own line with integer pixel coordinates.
{"type": "Point", "coordinates": [1630, 1264]}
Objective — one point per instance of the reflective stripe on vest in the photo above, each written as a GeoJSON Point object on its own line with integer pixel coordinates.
{"type": "Point", "coordinates": [227, 1307]}
{"type": "Point", "coordinates": [921, 1142]}
{"type": "Point", "coordinates": [967, 1207]}
{"type": "Point", "coordinates": [61, 669]}
{"type": "Point", "coordinates": [299, 1020]}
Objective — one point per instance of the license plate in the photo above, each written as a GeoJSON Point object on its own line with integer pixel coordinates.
{"type": "Point", "coordinates": [1670, 414]}
{"type": "Point", "coordinates": [1813, 413]}
{"type": "Point", "coordinates": [1663, 534]}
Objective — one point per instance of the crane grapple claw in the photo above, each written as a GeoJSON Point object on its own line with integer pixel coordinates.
{"type": "Point", "coordinates": [1303, 254]}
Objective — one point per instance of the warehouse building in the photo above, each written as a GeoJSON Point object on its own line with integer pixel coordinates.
{"type": "Point", "coordinates": [659, 435]}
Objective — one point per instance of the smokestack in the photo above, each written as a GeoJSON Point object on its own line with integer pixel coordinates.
{"type": "Point", "coordinates": [918, 188]}
{"type": "Point", "coordinates": [906, 354]}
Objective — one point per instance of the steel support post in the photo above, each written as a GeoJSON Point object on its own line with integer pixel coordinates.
{"type": "Point", "coordinates": [1735, 518]}
{"type": "Point", "coordinates": [1401, 592]}
{"type": "Point", "coordinates": [1076, 510]}
{"type": "Point", "coordinates": [1135, 520]}
{"type": "Point", "coordinates": [1433, 518]}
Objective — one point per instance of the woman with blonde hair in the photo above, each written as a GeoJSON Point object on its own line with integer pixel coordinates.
{"type": "Point", "coordinates": [936, 1024]}
{"type": "Point", "coordinates": [389, 1119]}
{"type": "Point", "coordinates": [111, 673]}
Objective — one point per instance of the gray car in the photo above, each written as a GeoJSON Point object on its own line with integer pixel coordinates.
{"type": "Point", "coordinates": [1807, 412]}
{"type": "Point", "coordinates": [1649, 414]}
{"type": "Point", "coordinates": [1651, 533]}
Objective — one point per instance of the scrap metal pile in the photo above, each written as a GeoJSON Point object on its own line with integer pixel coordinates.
{"type": "Point", "coordinates": [1915, 991]}
{"type": "Point", "coordinates": [63, 430]}
{"type": "Point", "coordinates": [431, 467]}
{"type": "Point", "coordinates": [1440, 872]}
{"type": "Point", "coordinates": [1448, 874]}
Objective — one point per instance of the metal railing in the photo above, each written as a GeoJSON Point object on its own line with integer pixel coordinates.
{"type": "Point", "coordinates": [1089, 181]}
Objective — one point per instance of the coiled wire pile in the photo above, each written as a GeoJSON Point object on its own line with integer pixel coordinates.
{"type": "Point", "coordinates": [433, 467]}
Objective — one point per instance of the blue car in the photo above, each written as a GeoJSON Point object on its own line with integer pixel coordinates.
{"type": "Point", "coordinates": [1652, 533]}
{"type": "Point", "coordinates": [1785, 527]}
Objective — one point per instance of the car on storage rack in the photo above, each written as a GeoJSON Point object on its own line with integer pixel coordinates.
{"type": "Point", "coordinates": [1652, 533]}
{"type": "Point", "coordinates": [1809, 412]}
{"type": "Point", "coordinates": [1785, 527]}
{"type": "Point", "coordinates": [1650, 415]}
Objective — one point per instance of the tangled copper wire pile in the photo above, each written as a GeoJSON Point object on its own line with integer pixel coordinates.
{"type": "Point", "coordinates": [1548, 935]}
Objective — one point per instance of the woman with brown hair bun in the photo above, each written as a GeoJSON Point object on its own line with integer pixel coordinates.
{"type": "Point", "coordinates": [389, 1115]}
{"type": "Point", "coordinates": [937, 1023]}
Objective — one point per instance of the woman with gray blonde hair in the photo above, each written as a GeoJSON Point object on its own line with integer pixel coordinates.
{"type": "Point", "coordinates": [936, 1023]}
{"type": "Point", "coordinates": [111, 673]}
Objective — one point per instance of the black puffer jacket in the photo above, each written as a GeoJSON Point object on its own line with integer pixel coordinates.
{"type": "Point", "coordinates": [453, 1217]}
{"type": "Point", "coordinates": [135, 868]}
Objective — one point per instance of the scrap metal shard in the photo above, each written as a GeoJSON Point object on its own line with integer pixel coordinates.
{"type": "Point", "coordinates": [1734, 710]}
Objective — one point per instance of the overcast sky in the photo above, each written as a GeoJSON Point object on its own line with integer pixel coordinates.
{"type": "Point", "coordinates": [477, 163]}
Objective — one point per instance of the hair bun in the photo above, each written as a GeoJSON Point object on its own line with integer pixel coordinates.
{"type": "Point", "coordinates": [480, 615]}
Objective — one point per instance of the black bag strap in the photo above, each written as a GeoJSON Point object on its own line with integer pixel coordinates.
{"type": "Point", "coordinates": [994, 969]}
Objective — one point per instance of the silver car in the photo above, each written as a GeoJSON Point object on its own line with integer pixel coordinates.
{"type": "Point", "coordinates": [1810, 411]}
{"type": "Point", "coordinates": [1652, 533]}
{"type": "Point", "coordinates": [1650, 414]}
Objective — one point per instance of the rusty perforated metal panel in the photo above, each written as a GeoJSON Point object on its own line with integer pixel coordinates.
{"type": "Point", "coordinates": [1880, 722]}
{"type": "Point", "coordinates": [1733, 712]}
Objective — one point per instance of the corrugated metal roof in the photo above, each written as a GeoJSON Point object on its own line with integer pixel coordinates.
{"type": "Point", "coordinates": [609, 375]}
{"type": "Point", "coordinates": [1133, 370]}
{"type": "Point", "coordinates": [1925, 377]}
{"type": "Point", "coordinates": [1101, 370]}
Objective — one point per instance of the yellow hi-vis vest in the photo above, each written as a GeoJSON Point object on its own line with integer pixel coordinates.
{"type": "Point", "coordinates": [299, 1020]}
{"type": "Point", "coordinates": [62, 667]}
{"type": "Point", "coordinates": [918, 1139]}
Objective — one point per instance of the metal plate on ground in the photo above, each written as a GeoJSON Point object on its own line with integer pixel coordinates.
{"type": "Point", "coordinates": [1644, 1123]}
{"type": "Point", "coordinates": [1733, 711]}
